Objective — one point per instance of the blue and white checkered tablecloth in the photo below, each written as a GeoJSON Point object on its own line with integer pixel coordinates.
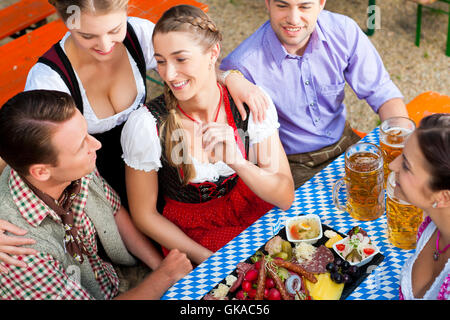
{"type": "Point", "coordinates": [315, 197]}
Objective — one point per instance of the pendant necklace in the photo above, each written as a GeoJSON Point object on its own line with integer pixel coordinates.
{"type": "Point", "coordinates": [218, 108]}
{"type": "Point", "coordinates": [438, 252]}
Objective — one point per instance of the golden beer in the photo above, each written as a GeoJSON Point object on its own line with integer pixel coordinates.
{"type": "Point", "coordinates": [365, 190]}
{"type": "Point", "coordinates": [393, 134]}
{"type": "Point", "coordinates": [403, 219]}
{"type": "Point", "coordinates": [363, 181]}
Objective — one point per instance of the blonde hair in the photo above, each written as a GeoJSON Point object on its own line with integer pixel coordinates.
{"type": "Point", "coordinates": [89, 6]}
{"type": "Point", "coordinates": [183, 18]}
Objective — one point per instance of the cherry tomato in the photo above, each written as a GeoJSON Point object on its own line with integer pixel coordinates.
{"type": "Point", "coordinates": [369, 251]}
{"type": "Point", "coordinates": [251, 275]}
{"type": "Point", "coordinates": [340, 247]}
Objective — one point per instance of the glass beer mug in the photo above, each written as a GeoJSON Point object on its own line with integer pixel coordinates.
{"type": "Point", "coordinates": [403, 219]}
{"type": "Point", "coordinates": [393, 134]}
{"type": "Point", "coordinates": [364, 181]}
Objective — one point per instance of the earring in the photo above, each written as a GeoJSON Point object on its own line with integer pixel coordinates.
{"type": "Point", "coordinates": [434, 205]}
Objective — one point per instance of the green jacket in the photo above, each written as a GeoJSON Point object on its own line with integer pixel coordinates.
{"type": "Point", "coordinates": [49, 234]}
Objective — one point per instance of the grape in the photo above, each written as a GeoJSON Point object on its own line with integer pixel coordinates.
{"type": "Point", "coordinates": [338, 262]}
{"type": "Point", "coordinates": [353, 271]}
{"type": "Point", "coordinates": [337, 277]}
{"type": "Point", "coordinates": [345, 265]}
{"type": "Point", "coordinates": [330, 266]}
{"type": "Point", "coordinates": [347, 278]}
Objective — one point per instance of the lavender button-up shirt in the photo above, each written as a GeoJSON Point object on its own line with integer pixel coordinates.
{"type": "Point", "coordinates": [308, 90]}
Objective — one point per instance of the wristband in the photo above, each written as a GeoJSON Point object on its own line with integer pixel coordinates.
{"type": "Point", "coordinates": [228, 72]}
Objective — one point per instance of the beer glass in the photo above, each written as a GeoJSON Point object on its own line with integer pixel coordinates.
{"type": "Point", "coordinates": [403, 219]}
{"type": "Point", "coordinates": [364, 182]}
{"type": "Point", "coordinates": [393, 133]}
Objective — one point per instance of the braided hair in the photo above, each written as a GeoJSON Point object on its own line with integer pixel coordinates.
{"type": "Point", "coordinates": [433, 134]}
{"type": "Point", "coordinates": [183, 18]}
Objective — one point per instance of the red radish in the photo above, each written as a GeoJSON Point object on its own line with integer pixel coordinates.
{"type": "Point", "coordinates": [252, 293]}
{"type": "Point", "coordinates": [258, 264]}
{"type": "Point", "coordinates": [246, 286]}
{"type": "Point", "coordinates": [274, 294]}
{"type": "Point", "coordinates": [241, 295]}
{"type": "Point", "coordinates": [266, 293]}
{"type": "Point", "coordinates": [251, 275]}
{"type": "Point", "coordinates": [269, 283]}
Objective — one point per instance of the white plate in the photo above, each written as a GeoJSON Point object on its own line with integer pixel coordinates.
{"type": "Point", "coordinates": [362, 262]}
{"type": "Point", "coordinates": [301, 218]}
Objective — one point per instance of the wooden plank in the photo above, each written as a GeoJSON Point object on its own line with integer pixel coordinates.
{"type": "Point", "coordinates": [20, 55]}
{"type": "Point", "coordinates": [153, 9]}
{"type": "Point", "coordinates": [23, 14]}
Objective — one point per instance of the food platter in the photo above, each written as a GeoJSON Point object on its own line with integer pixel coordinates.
{"type": "Point", "coordinates": [345, 287]}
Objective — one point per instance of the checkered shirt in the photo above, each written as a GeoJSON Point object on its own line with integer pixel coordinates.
{"type": "Point", "coordinates": [45, 277]}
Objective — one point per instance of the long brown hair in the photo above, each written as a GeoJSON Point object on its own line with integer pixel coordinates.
{"type": "Point", "coordinates": [90, 6]}
{"type": "Point", "coordinates": [183, 18]}
{"type": "Point", "coordinates": [27, 123]}
{"type": "Point", "coordinates": [433, 134]}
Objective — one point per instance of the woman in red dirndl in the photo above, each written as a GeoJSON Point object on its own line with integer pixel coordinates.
{"type": "Point", "coordinates": [206, 203]}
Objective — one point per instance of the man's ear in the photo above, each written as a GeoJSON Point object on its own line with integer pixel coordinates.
{"type": "Point", "coordinates": [322, 4]}
{"type": "Point", "coordinates": [40, 172]}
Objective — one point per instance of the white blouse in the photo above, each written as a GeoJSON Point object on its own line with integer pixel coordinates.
{"type": "Point", "coordinates": [42, 76]}
{"type": "Point", "coordinates": [406, 273]}
{"type": "Point", "coordinates": [142, 148]}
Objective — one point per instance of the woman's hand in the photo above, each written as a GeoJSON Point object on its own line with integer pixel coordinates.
{"type": "Point", "coordinates": [8, 245]}
{"type": "Point", "coordinates": [243, 91]}
{"type": "Point", "coordinates": [220, 144]}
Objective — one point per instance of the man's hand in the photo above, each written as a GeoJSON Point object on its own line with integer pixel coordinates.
{"type": "Point", "coordinates": [175, 266]}
{"type": "Point", "coordinates": [243, 91]}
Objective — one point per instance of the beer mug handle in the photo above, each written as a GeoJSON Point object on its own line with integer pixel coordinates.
{"type": "Point", "coordinates": [337, 186]}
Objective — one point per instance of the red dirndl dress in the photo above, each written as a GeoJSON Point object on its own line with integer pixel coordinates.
{"type": "Point", "coordinates": [211, 213]}
{"type": "Point", "coordinates": [215, 223]}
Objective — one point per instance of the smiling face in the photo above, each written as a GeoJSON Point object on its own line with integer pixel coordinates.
{"type": "Point", "coordinates": [98, 35]}
{"type": "Point", "coordinates": [76, 150]}
{"type": "Point", "coordinates": [293, 21]}
{"type": "Point", "coordinates": [184, 64]}
{"type": "Point", "coordinates": [412, 175]}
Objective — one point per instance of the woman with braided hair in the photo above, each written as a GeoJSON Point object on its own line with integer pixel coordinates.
{"type": "Point", "coordinates": [217, 171]}
{"type": "Point", "coordinates": [102, 62]}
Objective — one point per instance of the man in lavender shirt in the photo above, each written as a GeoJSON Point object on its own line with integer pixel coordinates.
{"type": "Point", "coordinates": [302, 57]}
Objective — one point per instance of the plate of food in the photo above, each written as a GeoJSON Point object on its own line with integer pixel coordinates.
{"type": "Point", "coordinates": [289, 268]}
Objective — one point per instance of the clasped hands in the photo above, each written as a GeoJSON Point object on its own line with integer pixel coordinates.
{"type": "Point", "coordinates": [218, 141]}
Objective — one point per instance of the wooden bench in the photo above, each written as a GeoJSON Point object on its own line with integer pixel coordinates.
{"type": "Point", "coordinates": [16, 18]}
{"type": "Point", "coordinates": [19, 55]}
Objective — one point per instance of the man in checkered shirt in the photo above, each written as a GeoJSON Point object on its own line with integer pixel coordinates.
{"type": "Point", "coordinates": [53, 191]}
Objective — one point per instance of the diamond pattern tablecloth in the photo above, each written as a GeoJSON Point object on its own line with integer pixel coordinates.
{"type": "Point", "coordinates": [315, 197]}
